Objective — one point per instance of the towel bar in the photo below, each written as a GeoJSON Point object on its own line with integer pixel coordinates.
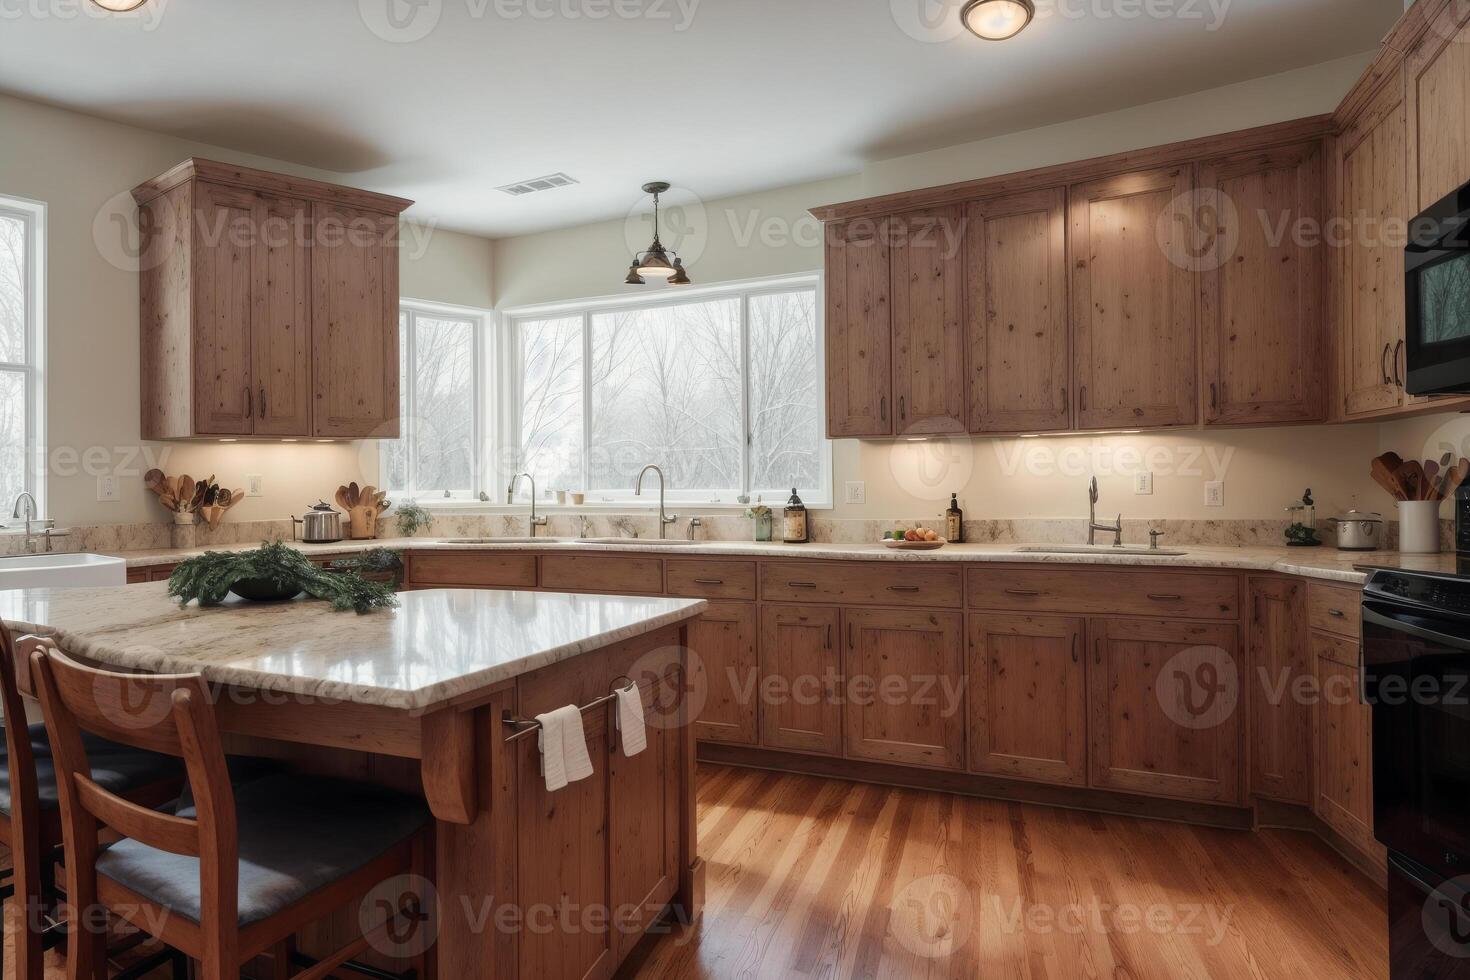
{"type": "Point", "coordinates": [525, 727]}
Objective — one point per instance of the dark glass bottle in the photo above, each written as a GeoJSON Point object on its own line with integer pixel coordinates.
{"type": "Point", "coordinates": [797, 530]}
{"type": "Point", "coordinates": [954, 521]}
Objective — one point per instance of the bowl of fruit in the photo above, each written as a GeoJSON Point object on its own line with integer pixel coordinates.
{"type": "Point", "coordinates": [913, 539]}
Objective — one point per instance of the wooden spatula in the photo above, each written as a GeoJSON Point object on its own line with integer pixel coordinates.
{"type": "Point", "coordinates": [1386, 477]}
{"type": "Point", "coordinates": [1454, 477]}
{"type": "Point", "coordinates": [1411, 478]}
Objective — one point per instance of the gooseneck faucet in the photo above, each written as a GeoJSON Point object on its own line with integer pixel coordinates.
{"type": "Point", "coordinates": [664, 520]}
{"type": "Point", "coordinates": [510, 495]}
{"type": "Point", "coordinates": [26, 509]}
{"type": "Point", "coordinates": [1093, 526]}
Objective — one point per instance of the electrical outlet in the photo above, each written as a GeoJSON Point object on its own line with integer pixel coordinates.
{"type": "Point", "coordinates": [1143, 482]}
{"type": "Point", "coordinates": [107, 487]}
{"type": "Point", "coordinates": [857, 492]}
{"type": "Point", "coordinates": [254, 485]}
{"type": "Point", "coordinates": [1215, 494]}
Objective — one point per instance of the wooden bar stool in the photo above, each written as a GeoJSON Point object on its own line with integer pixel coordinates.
{"type": "Point", "coordinates": [237, 872]}
{"type": "Point", "coordinates": [30, 817]}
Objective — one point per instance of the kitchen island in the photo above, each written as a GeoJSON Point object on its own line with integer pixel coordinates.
{"type": "Point", "coordinates": [445, 683]}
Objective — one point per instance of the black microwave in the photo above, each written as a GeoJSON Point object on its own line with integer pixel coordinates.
{"type": "Point", "coordinates": [1437, 294]}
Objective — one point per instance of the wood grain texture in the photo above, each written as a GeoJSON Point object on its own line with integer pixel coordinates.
{"type": "Point", "coordinates": [859, 330]}
{"type": "Point", "coordinates": [1132, 243]}
{"type": "Point", "coordinates": [860, 583]}
{"type": "Point", "coordinates": [615, 576]}
{"type": "Point", "coordinates": [699, 578]}
{"type": "Point", "coordinates": [165, 314]}
{"type": "Point", "coordinates": [1343, 760]}
{"type": "Point", "coordinates": [800, 670]}
{"type": "Point", "coordinates": [1187, 594]}
{"type": "Point", "coordinates": [1280, 721]}
{"type": "Point", "coordinates": [223, 231]}
{"type": "Point", "coordinates": [724, 666]}
{"type": "Point", "coordinates": [1017, 325]}
{"type": "Point", "coordinates": [1261, 290]}
{"type": "Point", "coordinates": [273, 183]}
{"type": "Point", "coordinates": [280, 327]}
{"type": "Point", "coordinates": [927, 255]}
{"type": "Point", "coordinates": [1334, 609]}
{"type": "Point", "coordinates": [825, 878]}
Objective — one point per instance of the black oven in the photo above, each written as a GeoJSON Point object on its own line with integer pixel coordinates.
{"type": "Point", "coordinates": [1437, 300]}
{"type": "Point", "coordinates": [1416, 678]}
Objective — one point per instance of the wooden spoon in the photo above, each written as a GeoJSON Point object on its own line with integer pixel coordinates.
{"type": "Point", "coordinates": [1386, 479]}
{"type": "Point", "coordinates": [154, 480]}
{"type": "Point", "coordinates": [1456, 476]}
{"type": "Point", "coordinates": [353, 494]}
{"type": "Point", "coordinates": [1411, 476]}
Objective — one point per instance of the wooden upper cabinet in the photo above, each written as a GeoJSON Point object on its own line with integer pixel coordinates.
{"type": "Point", "coordinates": [1437, 103]}
{"type": "Point", "coordinates": [1372, 175]}
{"type": "Point", "coordinates": [1262, 286]}
{"type": "Point", "coordinates": [927, 256]}
{"type": "Point", "coordinates": [1016, 320]}
{"type": "Point", "coordinates": [1132, 252]}
{"type": "Point", "coordinates": [859, 329]}
{"type": "Point", "coordinates": [268, 306]}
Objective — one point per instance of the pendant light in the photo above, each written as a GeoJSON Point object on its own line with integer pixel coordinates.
{"type": "Point", "coordinates": [119, 6]}
{"type": "Point", "coordinates": [656, 261]}
{"type": "Point", "coordinates": [997, 20]}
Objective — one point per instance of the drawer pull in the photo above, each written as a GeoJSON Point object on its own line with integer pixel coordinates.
{"type": "Point", "coordinates": [801, 585]}
{"type": "Point", "coordinates": [1336, 612]}
{"type": "Point", "coordinates": [1022, 592]}
{"type": "Point", "coordinates": [1165, 596]}
{"type": "Point", "coordinates": [709, 581]}
{"type": "Point", "coordinates": [903, 588]}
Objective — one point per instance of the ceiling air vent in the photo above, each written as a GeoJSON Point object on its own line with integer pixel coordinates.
{"type": "Point", "coordinates": [537, 184]}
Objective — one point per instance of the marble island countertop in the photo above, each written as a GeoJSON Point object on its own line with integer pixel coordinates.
{"type": "Point", "coordinates": [1323, 562]}
{"type": "Point", "coordinates": [436, 645]}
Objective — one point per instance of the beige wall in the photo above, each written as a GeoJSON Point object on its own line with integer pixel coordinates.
{"type": "Point", "coordinates": [770, 233]}
{"type": "Point", "coordinates": [82, 168]}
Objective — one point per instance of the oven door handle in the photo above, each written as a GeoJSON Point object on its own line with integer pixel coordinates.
{"type": "Point", "coordinates": [1371, 615]}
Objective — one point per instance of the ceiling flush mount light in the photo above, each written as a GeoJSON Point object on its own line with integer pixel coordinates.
{"type": "Point", "coordinates": [119, 6]}
{"type": "Point", "coordinates": [657, 262]}
{"type": "Point", "coordinates": [997, 20]}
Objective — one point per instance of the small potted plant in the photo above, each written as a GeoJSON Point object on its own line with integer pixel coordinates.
{"type": "Point", "coordinates": [760, 514]}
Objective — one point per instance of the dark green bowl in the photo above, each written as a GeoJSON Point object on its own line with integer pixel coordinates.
{"type": "Point", "coordinates": [265, 590]}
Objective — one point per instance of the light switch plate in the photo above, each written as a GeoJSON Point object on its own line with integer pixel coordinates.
{"type": "Point", "coordinates": [857, 492]}
{"type": "Point", "coordinates": [1143, 482]}
{"type": "Point", "coordinates": [254, 485]}
{"type": "Point", "coordinates": [1215, 494]}
{"type": "Point", "coordinates": [107, 487]}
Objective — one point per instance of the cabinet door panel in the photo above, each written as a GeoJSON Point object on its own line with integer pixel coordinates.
{"type": "Point", "coordinates": [281, 331]}
{"type": "Point", "coordinates": [224, 234]}
{"type": "Point", "coordinates": [1374, 206]}
{"type": "Point", "coordinates": [1020, 351]}
{"type": "Point", "coordinates": [1437, 94]}
{"type": "Point", "coordinates": [928, 321]}
{"type": "Point", "coordinates": [1344, 742]}
{"type": "Point", "coordinates": [1164, 702]}
{"type": "Point", "coordinates": [1280, 721]}
{"type": "Point", "coordinates": [724, 666]}
{"type": "Point", "coordinates": [1261, 312]}
{"type": "Point", "coordinates": [859, 329]}
{"type": "Point", "coordinates": [644, 835]}
{"type": "Point", "coordinates": [1027, 698]}
{"type": "Point", "coordinates": [1133, 299]}
{"type": "Point", "coordinates": [904, 679]}
{"type": "Point", "coordinates": [354, 313]}
{"type": "Point", "coordinates": [800, 676]}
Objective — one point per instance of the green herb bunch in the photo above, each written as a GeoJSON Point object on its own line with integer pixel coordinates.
{"type": "Point", "coordinates": [209, 578]}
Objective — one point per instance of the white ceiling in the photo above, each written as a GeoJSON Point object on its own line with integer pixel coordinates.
{"type": "Point", "coordinates": [718, 96]}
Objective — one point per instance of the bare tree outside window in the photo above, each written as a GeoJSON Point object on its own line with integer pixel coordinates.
{"type": "Point", "coordinates": [394, 453]}
{"type": "Point", "coordinates": [551, 402]}
{"type": "Point", "coordinates": [14, 248]}
{"type": "Point", "coordinates": [785, 411]}
{"type": "Point", "coordinates": [444, 405]}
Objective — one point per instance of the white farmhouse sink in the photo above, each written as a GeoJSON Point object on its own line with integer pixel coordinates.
{"type": "Point", "coordinates": [1096, 549]}
{"type": "Point", "coordinates": [61, 571]}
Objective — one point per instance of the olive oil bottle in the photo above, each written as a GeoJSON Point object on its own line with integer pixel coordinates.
{"type": "Point", "coordinates": [796, 528]}
{"type": "Point", "coordinates": [954, 521]}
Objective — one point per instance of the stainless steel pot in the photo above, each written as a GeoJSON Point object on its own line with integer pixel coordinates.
{"type": "Point", "coordinates": [319, 525]}
{"type": "Point", "coordinates": [1359, 531]}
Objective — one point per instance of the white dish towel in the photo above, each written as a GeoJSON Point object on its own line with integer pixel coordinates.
{"type": "Point", "coordinates": [563, 747]}
{"type": "Point", "coordinates": [630, 720]}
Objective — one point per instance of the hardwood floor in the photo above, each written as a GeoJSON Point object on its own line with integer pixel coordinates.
{"type": "Point", "coordinates": [812, 877]}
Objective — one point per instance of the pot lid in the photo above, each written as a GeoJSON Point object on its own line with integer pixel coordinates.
{"type": "Point", "coordinates": [322, 507]}
{"type": "Point", "coordinates": [1360, 515]}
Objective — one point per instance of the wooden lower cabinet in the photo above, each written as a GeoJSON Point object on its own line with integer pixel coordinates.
{"type": "Point", "coordinates": [904, 674]}
{"type": "Point", "coordinates": [1343, 728]}
{"type": "Point", "coordinates": [1028, 697]}
{"type": "Point", "coordinates": [800, 675]}
{"type": "Point", "coordinates": [726, 673]}
{"type": "Point", "coordinates": [643, 815]}
{"type": "Point", "coordinates": [1280, 718]}
{"type": "Point", "coordinates": [1165, 706]}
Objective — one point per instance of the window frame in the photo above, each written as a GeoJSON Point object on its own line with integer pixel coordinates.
{"type": "Point", "coordinates": [32, 367]}
{"type": "Point", "coordinates": [497, 432]}
{"type": "Point", "coordinates": [817, 497]}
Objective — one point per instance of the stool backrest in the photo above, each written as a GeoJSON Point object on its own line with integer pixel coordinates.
{"type": "Point", "coordinates": [166, 713]}
{"type": "Point", "coordinates": [25, 806]}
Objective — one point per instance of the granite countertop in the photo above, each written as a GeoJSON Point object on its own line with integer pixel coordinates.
{"type": "Point", "coordinates": [436, 645]}
{"type": "Point", "coordinates": [1322, 563]}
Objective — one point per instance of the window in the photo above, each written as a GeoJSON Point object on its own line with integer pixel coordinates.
{"type": "Point", "coordinates": [720, 387]}
{"type": "Point", "coordinates": [22, 330]}
{"type": "Point", "coordinates": [439, 370]}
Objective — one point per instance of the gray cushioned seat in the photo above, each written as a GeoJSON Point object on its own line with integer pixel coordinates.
{"type": "Point", "coordinates": [116, 768]}
{"type": "Point", "coordinates": [297, 834]}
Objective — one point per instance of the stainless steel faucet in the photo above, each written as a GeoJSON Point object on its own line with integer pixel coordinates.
{"type": "Point", "coordinates": [694, 525]}
{"type": "Point", "coordinates": [664, 520]}
{"type": "Point", "coordinates": [1093, 526]}
{"type": "Point", "coordinates": [510, 496]}
{"type": "Point", "coordinates": [26, 509]}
